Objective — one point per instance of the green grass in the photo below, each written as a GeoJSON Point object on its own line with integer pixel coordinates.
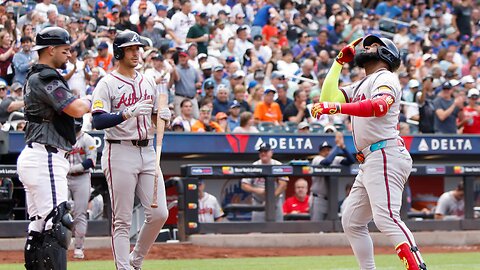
{"type": "Point", "coordinates": [444, 261]}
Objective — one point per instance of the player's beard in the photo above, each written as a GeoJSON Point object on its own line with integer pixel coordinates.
{"type": "Point", "coordinates": [63, 65]}
{"type": "Point", "coordinates": [361, 59]}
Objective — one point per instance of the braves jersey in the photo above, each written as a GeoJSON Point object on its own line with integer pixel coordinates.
{"type": "Point", "coordinates": [116, 92]}
{"type": "Point", "coordinates": [208, 208]}
{"type": "Point", "coordinates": [319, 185]}
{"type": "Point", "coordinates": [447, 205]}
{"type": "Point", "coordinates": [369, 130]}
{"type": "Point", "coordinates": [260, 182]}
{"type": "Point", "coordinates": [83, 149]}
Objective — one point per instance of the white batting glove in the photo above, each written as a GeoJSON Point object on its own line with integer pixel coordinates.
{"type": "Point", "coordinates": [165, 114]}
{"type": "Point", "coordinates": [143, 107]}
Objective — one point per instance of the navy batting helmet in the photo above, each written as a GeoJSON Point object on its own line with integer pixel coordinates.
{"type": "Point", "coordinates": [388, 52]}
{"type": "Point", "coordinates": [126, 38]}
{"type": "Point", "coordinates": [51, 36]}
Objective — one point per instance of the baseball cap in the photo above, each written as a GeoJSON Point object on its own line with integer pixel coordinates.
{"type": "Point", "coordinates": [101, 4]}
{"type": "Point", "coordinates": [115, 10]}
{"type": "Point", "coordinates": [264, 147]}
{"type": "Point", "coordinates": [473, 92]}
{"type": "Point", "coordinates": [183, 53]}
{"type": "Point", "coordinates": [205, 108]}
{"type": "Point", "coordinates": [252, 84]}
{"type": "Point", "coordinates": [221, 116]}
{"type": "Point", "coordinates": [453, 43]}
{"type": "Point", "coordinates": [329, 129]}
{"type": "Point", "coordinates": [158, 56]}
{"type": "Point", "coordinates": [202, 55]}
{"type": "Point", "coordinates": [241, 28]}
{"type": "Point", "coordinates": [203, 15]}
{"type": "Point", "coordinates": [277, 75]}
{"type": "Point", "coordinates": [222, 87]}
{"type": "Point", "coordinates": [465, 38]}
{"type": "Point", "coordinates": [161, 7]}
{"type": "Point", "coordinates": [207, 66]}
{"type": "Point", "coordinates": [103, 44]}
{"type": "Point", "coordinates": [413, 83]}
{"type": "Point", "coordinates": [258, 37]}
{"type": "Point", "coordinates": [209, 84]}
{"type": "Point", "coordinates": [238, 74]}
{"type": "Point", "coordinates": [234, 104]}
{"type": "Point", "coordinates": [450, 30]}
{"type": "Point", "coordinates": [218, 68]}
{"type": "Point", "coordinates": [428, 56]}
{"type": "Point", "coordinates": [303, 125]}
{"type": "Point", "coordinates": [230, 59]}
{"type": "Point", "coordinates": [177, 123]}
{"type": "Point", "coordinates": [16, 86]}
{"type": "Point", "coordinates": [268, 90]}
{"type": "Point", "coordinates": [467, 79]}
{"type": "Point", "coordinates": [436, 36]}
{"type": "Point", "coordinates": [324, 145]}
{"type": "Point", "coordinates": [454, 82]}
{"type": "Point", "coordinates": [447, 85]}
{"type": "Point", "coordinates": [403, 75]}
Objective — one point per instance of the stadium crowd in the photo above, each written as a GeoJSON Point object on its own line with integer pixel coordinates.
{"type": "Point", "coordinates": [249, 66]}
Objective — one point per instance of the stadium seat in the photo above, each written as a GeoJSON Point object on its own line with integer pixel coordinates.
{"type": "Point", "coordinates": [290, 127]}
{"type": "Point", "coordinates": [316, 127]}
{"type": "Point", "coordinates": [265, 126]}
{"type": "Point", "coordinates": [277, 129]}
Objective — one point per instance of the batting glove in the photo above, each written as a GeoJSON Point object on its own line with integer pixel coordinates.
{"type": "Point", "coordinates": [165, 114]}
{"type": "Point", "coordinates": [325, 108]}
{"type": "Point", "coordinates": [347, 54]}
{"type": "Point", "coordinates": [143, 107]}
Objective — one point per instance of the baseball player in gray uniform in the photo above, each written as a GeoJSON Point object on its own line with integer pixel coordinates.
{"type": "Point", "coordinates": [209, 210]}
{"type": "Point", "coordinates": [124, 106]}
{"type": "Point", "coordinates": [82, 160]}
{"type": "Point", "coordinates": [50, 107]}
{"type": "Point", "coordinates": [374, 106]}
{"type": "Point", "coordinates": [257, 186]}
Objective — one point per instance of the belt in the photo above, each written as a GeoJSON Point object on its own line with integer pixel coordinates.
{"type": "Point", "coordinates": [50, 149]}
{"type": "Point", "coordinates": [185, 96]}
{"type": "Point", "coordinates": [377, 146]}
{"type": "Point", "coordinates": [140, 143]}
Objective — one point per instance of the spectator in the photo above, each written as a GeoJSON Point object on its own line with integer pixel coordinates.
{"type": "Point", "coordinates": [209, 210]}
{"type": "Point", "coordinates": [471, 114]}
{"type": "Point", "coordinates": [199, 33]}
{"type": "Point", "coordinates": [306, 71]}
{"type": "Point", "coordinates": [303, 49]}
{"type": "Point", "coordinates": [186, 80]}
{"type": "Point", "coordinates": [44, 6]}
{"type": "Point", "coordinates": [239, 96]}
{"type": "Point", "coordinates": [255, 96]}
{"type": "Point", "coordinates": [425, 106]}
{"type": "Point", "coordinates": [159, 71]}
{"type": "Point", "coordinates": [221, 102]}
{"type": "Point", "coordinates": [221, 5]}
{"type": "Point", "coordinates": [297, 111]}
{"type": "Point", "coordinates": [462, 17]}
{"type": "Point", "coordinates": [282, 98]}
{"type": "Point", "coordinates": [246, 124]}
{"type": "Point", "coordinates": [205, 123]}
{"type": "Point", "coordinates": [303, 128]}
{"type": "Point", "coordinates": [23, 60]}
{"type": "Point", "coordinates": [6, 188]}
{"type": "Point", "coordinates": [186, 115]}
{"type": "Point", "coordinates": [182, 21]}
{"type": "Point", "coordinates": [104, 58]}
{"type": "Point", "coordinates": [299, 202]}
{"type": "Point", "coordinates": [222, 120]}
{"type": "Point", "coordinates": [177, 126]}
{"type": "Point", "coordinates": [101, 14]}
{"type": "Point", "coordinates": [7, 50]}
{"type": "Point", "coordinates": [319, 189]}
{"type": "Point", "coordinates": [208, 91]}
{"type": "Point", "coordinates": [447, 109]}
{"type": "Point", "coordinates": [321, 43]}
{"type": "Point", "coordinates": [256, 186]}
{"type": "Point", "coordinates": [270, 29]}
{"type": "Point", "coordinates": [242, 44]}
{"type": "Point", "coordinates": [233, 115]}
{"type": "Point", "coordinates": [263, 53]}
{"type": "Point", "coordinates": [388, 9]}
{"type": "Point", "coordinates": [154, 34]}
{"type": "Point", "coordinates": [12, 103]}
{"type": "Point", "coordinates": [124, 22]}
{"type": "Point", "coordinates": [451, 205]}
{"type": "Point", "coordinates": [244, 8]}
{"type": "Point", "coordinates": [76, 74]}
{"type": "Point", "coordinates": [268, 110]}
{"type": "Point", "coordinates": [286, 65]}
{"type": "Point", "coordinates": [353, 30]}
{"type": "Point", "coordinates": [217, 78]}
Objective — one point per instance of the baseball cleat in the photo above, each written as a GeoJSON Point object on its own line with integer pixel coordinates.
{"type": "Point", "coordinates": [78, 254]}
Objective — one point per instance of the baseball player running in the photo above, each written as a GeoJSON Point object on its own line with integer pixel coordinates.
{"type": "Point", "coordinates": [374, 104]}
{"type": "Point", "coordinates": [123, 105]}
{"type": "Point", "coordinates": [82, 160]}
{"type": "Point", "coordinates": [50, 107]}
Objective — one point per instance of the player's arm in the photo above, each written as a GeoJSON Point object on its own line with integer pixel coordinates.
{"type": "Point", "coordinates": [247, 187]}
{"type": "Point", "coordinates": [282, 186]}
{"type": "Point", "coordinates": [330, 91]}
{"type": "Point", "coordinates": [377, 106]}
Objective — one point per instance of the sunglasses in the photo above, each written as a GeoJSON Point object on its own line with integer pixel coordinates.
{"type": "Point", "coordinates": [3, 89]}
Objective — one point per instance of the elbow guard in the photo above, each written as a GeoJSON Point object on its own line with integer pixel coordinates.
{"type": "Point", "coordinates": [381, 105]}
{"type": "Point", "coordinates": [376, 107]}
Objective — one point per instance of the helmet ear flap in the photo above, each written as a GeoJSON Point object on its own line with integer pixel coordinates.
{"type": "Point", "coordinates": [118, 53]}
{"type": "Point", "coordinates": [392, 60]}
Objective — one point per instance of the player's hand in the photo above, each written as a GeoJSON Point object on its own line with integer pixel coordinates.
{"type": "Point", "coordinates": [347, 54]}
{"type": "Point", "coordinates": [143, 107]}
{"type": "Point", "coordinates": [165, 114]}
{"type": "Point", "coordinates": [324, 108]}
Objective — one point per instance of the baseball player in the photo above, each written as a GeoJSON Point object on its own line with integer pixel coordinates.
{"type": "Point", "coordinates": [82, 160]}
{"type": "Point", "coordinates": [123, 105]}
{"type": "Point", "coordinates": [50, 108]}
{"type": "Point", "coordinates": [374, 106]}
{"type": "Point", "coordinates": [209, 210]}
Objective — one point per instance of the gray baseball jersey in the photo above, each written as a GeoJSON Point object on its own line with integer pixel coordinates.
{"type": "Point", "coordinates": [116, 92]}
{"type": "Point", "coordinates": [209, 209]}
{"type": "Point", "coordinates": [83, 149]}
{"type": "Point", "coordinates": [447, 205]}
{"type": "Point", "coordinates": [374, 129]}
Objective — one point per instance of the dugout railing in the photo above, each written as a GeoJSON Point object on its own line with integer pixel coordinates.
{"type": "Point", "coordinates": [188, 198]}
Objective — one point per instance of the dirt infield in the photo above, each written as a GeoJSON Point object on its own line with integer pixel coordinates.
{"type": "Point", "coordinates": [189, 251]}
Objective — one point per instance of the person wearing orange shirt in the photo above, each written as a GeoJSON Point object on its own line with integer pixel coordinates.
{"type": "Point", "coordinates": [298, 203]}
{"type": "Point", "coordinates": [270, 29]}
{"type": "Point", "coordinates": [268, 110]}
{"type": "Point", "coordinates": [104, 58]}
{"type": "Point", "coordinates": [205, 123]}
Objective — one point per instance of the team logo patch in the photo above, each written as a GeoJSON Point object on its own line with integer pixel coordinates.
{"type": "Point", "coordinates": [91, 147]}
{"type": "Point", "coordinates": [98, 104]}
{"type": "Point", "coordinates": [389, 100]}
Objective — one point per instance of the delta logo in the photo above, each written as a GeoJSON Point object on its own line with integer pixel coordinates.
{"type": "Point", "coordinates": [202, 170]}
{"type": "Point", "coordinates": [458, 169]}
{"type": "Point", "coordinates": [227, 170]}
{"type": "Point", "coordinates": [307, 170]}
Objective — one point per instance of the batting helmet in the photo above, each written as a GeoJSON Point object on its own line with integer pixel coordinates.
{"type": "Point", "coordinates": [126, 38]}
{"type": "Point", "coordinates": [51, 36]}
{"type": "Point", "coordinates": [388, 52]}
{"type": "Point", "coordinates": [78, 122]}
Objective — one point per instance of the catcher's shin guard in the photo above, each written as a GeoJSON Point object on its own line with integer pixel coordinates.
{"type": "Point", "coordinates": [410, 256]}
{"type": "Point", "coordinates": [33, 251]}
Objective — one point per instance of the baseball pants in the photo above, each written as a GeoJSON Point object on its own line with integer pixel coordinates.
{"type": "Point", "coordinates": [79, 187]}
{"type": "Point", "coordinates": [44, 176]}
{"type": "Point", "coordinates": [377, 194]}
{"type": "Point", "coordinates": [318, 208]}
{"type": "Point", "coordinates": [130, 171]}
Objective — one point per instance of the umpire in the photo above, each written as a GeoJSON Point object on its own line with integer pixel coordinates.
{"type": "Point", "coordinates": [50, 109]}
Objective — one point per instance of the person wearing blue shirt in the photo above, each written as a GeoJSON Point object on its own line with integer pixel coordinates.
{"type": "Point", "coordinates": [23, 60]}
{"type": "Point", "coordinates": [233, 119]}
{"type": "Point", "coordinates": [388, 9]}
